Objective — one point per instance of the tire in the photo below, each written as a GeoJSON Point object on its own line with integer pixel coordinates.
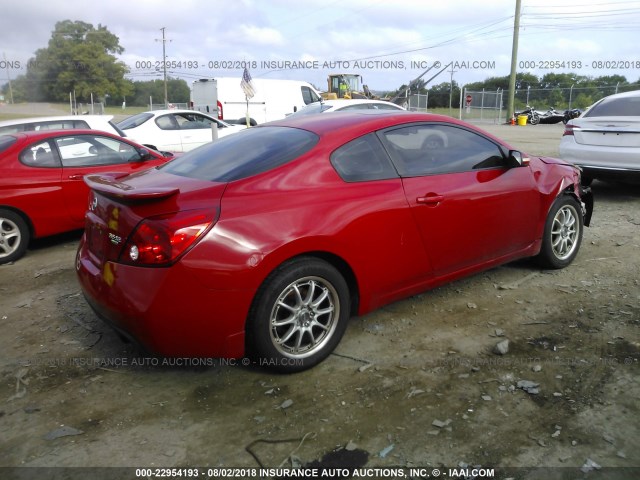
{"type": "Point", "coordinates": [562, 233]}
{"type": "Point", "coordinates": [298, 316]}
{"type": "Point", "coordinates": [534, 119]}
{"type": "Point", "coordinates": [14, 236]}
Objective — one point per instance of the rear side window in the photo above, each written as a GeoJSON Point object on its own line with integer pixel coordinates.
{"type": "Point", "coordinates": [39, 155]}
{"type": "Point", "coordinates": [362, 159]}
{"type": "Point", "coordinates": [243, 154]}
{"type": "Point", "coordinates": [616, 107]}
{"type": "Point", "coordinates": [59, 125]}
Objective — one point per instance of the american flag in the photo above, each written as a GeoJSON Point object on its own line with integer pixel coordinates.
{"type": "Point", "coordinates": [247, 84]}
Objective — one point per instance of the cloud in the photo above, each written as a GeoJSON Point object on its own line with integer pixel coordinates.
{"type": "Point", "coordinates": [263, 36]}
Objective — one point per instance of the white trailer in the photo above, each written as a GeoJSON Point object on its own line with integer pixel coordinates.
{"type": "Point", "coordinates": [273, 99]}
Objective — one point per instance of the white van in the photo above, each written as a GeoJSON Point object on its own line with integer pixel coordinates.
{"type": "Point", "coordinates": [273, 99]}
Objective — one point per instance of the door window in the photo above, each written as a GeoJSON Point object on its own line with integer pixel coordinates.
{"type": "Point", "coordinates": [309, 96]}
{"type": "Point", "coordinates": [430, 149]}
{"type": "Point", "coordinates": [90, 150]}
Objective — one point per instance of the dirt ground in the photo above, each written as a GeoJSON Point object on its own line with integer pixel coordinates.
{"type": "Point", "coordinates": [413, 384]}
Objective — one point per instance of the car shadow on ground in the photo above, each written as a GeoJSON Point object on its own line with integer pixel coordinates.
{"type": "Point", "coordinates": [615, 190]}
{"type": "Point", "coordinates": [60, 239]}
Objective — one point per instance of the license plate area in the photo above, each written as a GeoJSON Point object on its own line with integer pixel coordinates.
{"type": "Point", "coordinates": [97, 238]}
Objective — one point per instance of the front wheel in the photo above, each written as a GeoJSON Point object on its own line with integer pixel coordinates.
{"type": "Point", "coordinates": [14, 236]}
{"type": "Point", "coordinates": [298, 315]}
{"type": "Point", "coordinates": [562, 233]}
{"type": "Point", "coordinates": [534, 119]}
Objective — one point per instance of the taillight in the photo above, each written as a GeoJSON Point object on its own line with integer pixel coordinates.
{"type": "Point", "coordinates": [220, 113]}
{"type": "Point", "coordinates": [161, 240]}
{"type": "Point", "coordinates": [568, 129]}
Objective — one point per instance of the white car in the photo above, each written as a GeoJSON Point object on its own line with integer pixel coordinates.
{"type": "Point", "coordinates": [329, 106]}
{"type": "Point", "coordinates": [88, 122]}
{"type": "Point", "coordinates": [175, 130]}
{"type": "Point", "coordinates": [605, 140]}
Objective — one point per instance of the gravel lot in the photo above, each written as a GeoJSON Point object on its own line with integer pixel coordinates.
{"type": "Point", "coordinates": [413, 384]}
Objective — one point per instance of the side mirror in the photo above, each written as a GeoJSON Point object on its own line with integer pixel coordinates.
{"type": "Point", "coordinates": [517, 159]}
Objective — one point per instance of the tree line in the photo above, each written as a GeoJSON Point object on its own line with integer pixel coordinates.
{"type": "Point", "coordinates": [80, 60]}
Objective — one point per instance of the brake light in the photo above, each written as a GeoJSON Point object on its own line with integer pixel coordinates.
{"type": "Point", "coordinates": [568, 129]}
{"type": "Point", "coordinates": [220, 112]}
{"type": "Point", "coordinates": [161, 240]}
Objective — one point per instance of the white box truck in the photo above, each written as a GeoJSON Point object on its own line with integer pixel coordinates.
{"type": "Point", "coordinates": [273, 100]}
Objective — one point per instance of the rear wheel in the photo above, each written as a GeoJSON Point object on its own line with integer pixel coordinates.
{"type": "Point", "coordinates": [299, 315]}
{"type": "Point", "coordinates": [14, 236]}
{"type": "Point", "coordinates": [562, 233]}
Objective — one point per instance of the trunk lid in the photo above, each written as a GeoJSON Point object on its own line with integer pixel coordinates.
{"type": "Point", "coordinates": [121, 204]}
{"type": "Point", "coordinates": [608, 131]}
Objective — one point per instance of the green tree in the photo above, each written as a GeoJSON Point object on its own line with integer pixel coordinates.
{"type": "Point", "coordinates": [177, 92]}
{"type": "Point", "coordinates": [79, 58]}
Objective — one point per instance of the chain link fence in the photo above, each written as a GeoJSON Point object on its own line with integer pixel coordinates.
{"type": "Point", "coordinates": [418, 102]}
{"type": "Point", "coordinates": [485, 106]}
{"type": "Point", "coordinates": [482, 106]}
{"type": "Point", "coordinates": [566, 98]}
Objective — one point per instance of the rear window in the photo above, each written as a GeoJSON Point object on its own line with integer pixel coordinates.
{"type": "Point", "coordinates": [311, 109]}
{"type": "Point", "coordinates": [134, 121]}
{"type": "Point", "coordinates": [243, 154]}
{"type": "Point", "coordinates": [6, 141]}
{"type": "Point", "coordinates": [616, 107]}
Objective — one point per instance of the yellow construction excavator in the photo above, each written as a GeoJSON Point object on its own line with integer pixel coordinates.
{"type": "Point", "coordinates": [347, 86]}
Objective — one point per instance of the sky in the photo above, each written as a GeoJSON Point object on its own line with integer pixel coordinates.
{"type": "Point", "coordinates": [388, 43]}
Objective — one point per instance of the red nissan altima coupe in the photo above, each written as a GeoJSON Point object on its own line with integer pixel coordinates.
{"type": "Point", "coordinates": [267, 241]}
{"type": "Point", "coordinates": [41, 187]}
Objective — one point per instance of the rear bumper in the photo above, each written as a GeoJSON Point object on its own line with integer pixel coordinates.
{"type": "Point", "coordinates": [166, 310]}
{"type": "Point", "coordinates": [614, 160]}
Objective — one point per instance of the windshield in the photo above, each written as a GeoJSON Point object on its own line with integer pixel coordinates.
{"type": "Point", "coordinates": [311, 109]}
{"type": "Point", "coordinates": [134, 121]}
{"type": "Point", "coordinates": [243, 154]}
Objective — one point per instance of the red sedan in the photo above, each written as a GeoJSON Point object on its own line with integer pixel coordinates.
{"type": "Point", "coordinates": [41, 187]}
{"type": "Point", "coordinates": [267, 241]}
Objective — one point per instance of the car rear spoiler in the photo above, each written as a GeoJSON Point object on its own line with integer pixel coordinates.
{"type": "Point", "coordinates": [107, 184]}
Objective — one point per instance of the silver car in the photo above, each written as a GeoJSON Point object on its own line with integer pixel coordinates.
{"type": "Point", "coordinates": [605, 140]}
{"type": "Point", "coordinates": [103, 123]}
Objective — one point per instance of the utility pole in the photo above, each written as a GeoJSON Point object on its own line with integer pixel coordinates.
{"type": "Point", "coordinates": [514, 62]}
{"type": "Point", "coordinates": [164, 67]}
{"type": "Point", "coordinates": [4, 55]}
{"type": "Point", "coordinates": [452, 71]}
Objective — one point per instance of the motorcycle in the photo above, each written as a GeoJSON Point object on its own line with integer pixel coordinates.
{"type": "Point", "coordinates": [571, 114]}
{"type": "Point", "coordinates": [551, 116]}
{"type": "Point", "coordinates": [533, 117]}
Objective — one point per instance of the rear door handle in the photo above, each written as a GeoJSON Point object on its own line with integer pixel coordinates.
{"type": "Point", "coordinates": [430, 199]}
{"type": "Point", "coordinates": [78, 176]}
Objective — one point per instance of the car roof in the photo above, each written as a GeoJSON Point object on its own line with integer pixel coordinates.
{"type": "Point", "coordinates": [175, 110]}
{"type": "Point", "coordinates": [22, 121]}
{"type": "Point", "coordinates": [354, 101]}
{"type": "Point", "coordinates": [356, 122]}
{"type": "Point", "coordinates": [44, 134]}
